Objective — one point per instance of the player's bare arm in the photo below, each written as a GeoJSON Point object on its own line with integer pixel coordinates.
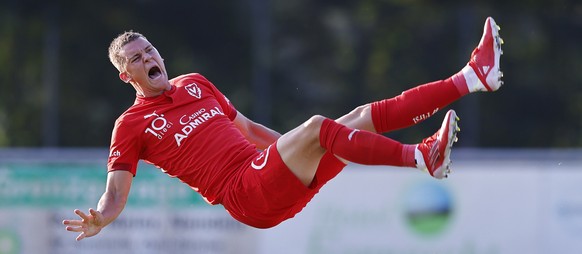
{"type": "Point", "coordinates": [255, 133]}
{"type": "Point", "coordinates": [109, 207]}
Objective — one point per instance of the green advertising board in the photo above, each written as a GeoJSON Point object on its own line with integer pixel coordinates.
{"type": "Point", "coordinates": [82, 184]}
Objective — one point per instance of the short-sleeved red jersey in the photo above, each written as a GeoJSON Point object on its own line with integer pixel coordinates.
{"type": "Point", "coordinates": [187, 132]}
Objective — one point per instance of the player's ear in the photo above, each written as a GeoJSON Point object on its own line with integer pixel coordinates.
{"type": "Point", "coordinates": [124, 76]}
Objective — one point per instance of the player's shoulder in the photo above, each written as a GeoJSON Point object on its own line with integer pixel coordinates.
{"type": "Point", "coordinates": [133, 114]}
{"type": "Point", "coordinates": [127, 117]}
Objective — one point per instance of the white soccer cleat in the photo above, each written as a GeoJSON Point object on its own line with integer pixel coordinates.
{"type": "Point", "coordinates": [433, 154]}
{"type": "Point", "coordinates": [483, 73]}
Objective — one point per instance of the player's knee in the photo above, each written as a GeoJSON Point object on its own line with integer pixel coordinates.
{"type": "Point", "coordinates": [312, 126]}
{"type": "Point", "coordinates": [314, 122]}
{"type": "Point", "coordinates": [360, 111]}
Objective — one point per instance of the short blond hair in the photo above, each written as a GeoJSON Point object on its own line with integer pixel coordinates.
{"type": "Point", "coordinates": [118, 43]}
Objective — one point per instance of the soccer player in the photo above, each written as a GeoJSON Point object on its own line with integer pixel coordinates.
{"type": "Point", "coordinates": [190, 130]}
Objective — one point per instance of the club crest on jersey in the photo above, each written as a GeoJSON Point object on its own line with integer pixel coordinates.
{"type": "Point", "coordinates": [194, 90]}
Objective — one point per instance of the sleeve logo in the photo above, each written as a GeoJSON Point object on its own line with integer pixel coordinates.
{"type": "Point", "coordinates": [115, 153]}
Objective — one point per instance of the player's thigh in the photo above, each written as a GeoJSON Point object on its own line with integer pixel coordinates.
{"type": "Point", "coordinates": [300, 149]}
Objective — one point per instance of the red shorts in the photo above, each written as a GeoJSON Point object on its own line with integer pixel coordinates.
{"type": "Point", "coordinates": [267, 192]}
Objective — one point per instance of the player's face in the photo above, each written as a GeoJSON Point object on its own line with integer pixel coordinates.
{"type": "Point", "coordinates": [144, 68]}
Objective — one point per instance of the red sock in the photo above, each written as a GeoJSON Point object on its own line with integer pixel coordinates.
{"type": "Point", "coordinates": [417, 104]}
{"type": "Point", "coordinates": [364, 147]}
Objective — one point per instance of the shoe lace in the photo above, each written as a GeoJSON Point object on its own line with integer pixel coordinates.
{"type": "Point", "coordinates": [432, 147]}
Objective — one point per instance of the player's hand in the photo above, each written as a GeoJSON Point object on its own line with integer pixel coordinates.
{"type": "Point", "coordinates": [89, 225]}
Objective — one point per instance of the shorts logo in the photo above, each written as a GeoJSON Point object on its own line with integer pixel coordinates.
{"type": "Point", "coordinates": [194, 90]}
{"type": "Point", "coordinates": [264, 156]}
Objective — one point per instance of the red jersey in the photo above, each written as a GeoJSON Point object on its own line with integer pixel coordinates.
{"type": "Point", "coordinates": [187, 132]}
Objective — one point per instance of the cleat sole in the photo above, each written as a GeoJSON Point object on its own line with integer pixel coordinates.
{"type": "Point", "coordinates": [445, 170]}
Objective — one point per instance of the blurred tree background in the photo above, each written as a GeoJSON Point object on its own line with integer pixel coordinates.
{"type": "Point", "coordinates": [282, 61]}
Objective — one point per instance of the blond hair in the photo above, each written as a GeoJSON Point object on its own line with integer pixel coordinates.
{"type": "Point", "coordinates": [118, 43]}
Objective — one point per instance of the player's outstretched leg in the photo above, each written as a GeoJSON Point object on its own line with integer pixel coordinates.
{"type": "Point", "coordinates": [483, 72]}
{"type": "Point", "coordinates": [433, 154]}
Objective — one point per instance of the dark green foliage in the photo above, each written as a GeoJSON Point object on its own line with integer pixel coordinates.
{"type": "Point", "coordinates": [324, 57]}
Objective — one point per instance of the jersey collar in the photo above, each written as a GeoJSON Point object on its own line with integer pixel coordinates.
{"type": "Point", "coordinates": [165, 96]}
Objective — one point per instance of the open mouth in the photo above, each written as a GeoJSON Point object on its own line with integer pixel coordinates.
{"type": "Point", "coordinates": [154, 72]}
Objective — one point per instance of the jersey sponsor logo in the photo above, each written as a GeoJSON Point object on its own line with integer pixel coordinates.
{"type": "Point", "coordinates": [194, 90]}
{"type": "Point", "coordinates": [193, 121]}
{"type": "Point", "coordinates": [185, 119]}
{"type": "Point", "coordinates": [159, 126]}
{"type": "Point", "coordinates": [261, 160]}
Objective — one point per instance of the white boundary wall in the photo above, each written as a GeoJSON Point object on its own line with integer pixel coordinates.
{"type": "Point", "coordinates": [496, 201]}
